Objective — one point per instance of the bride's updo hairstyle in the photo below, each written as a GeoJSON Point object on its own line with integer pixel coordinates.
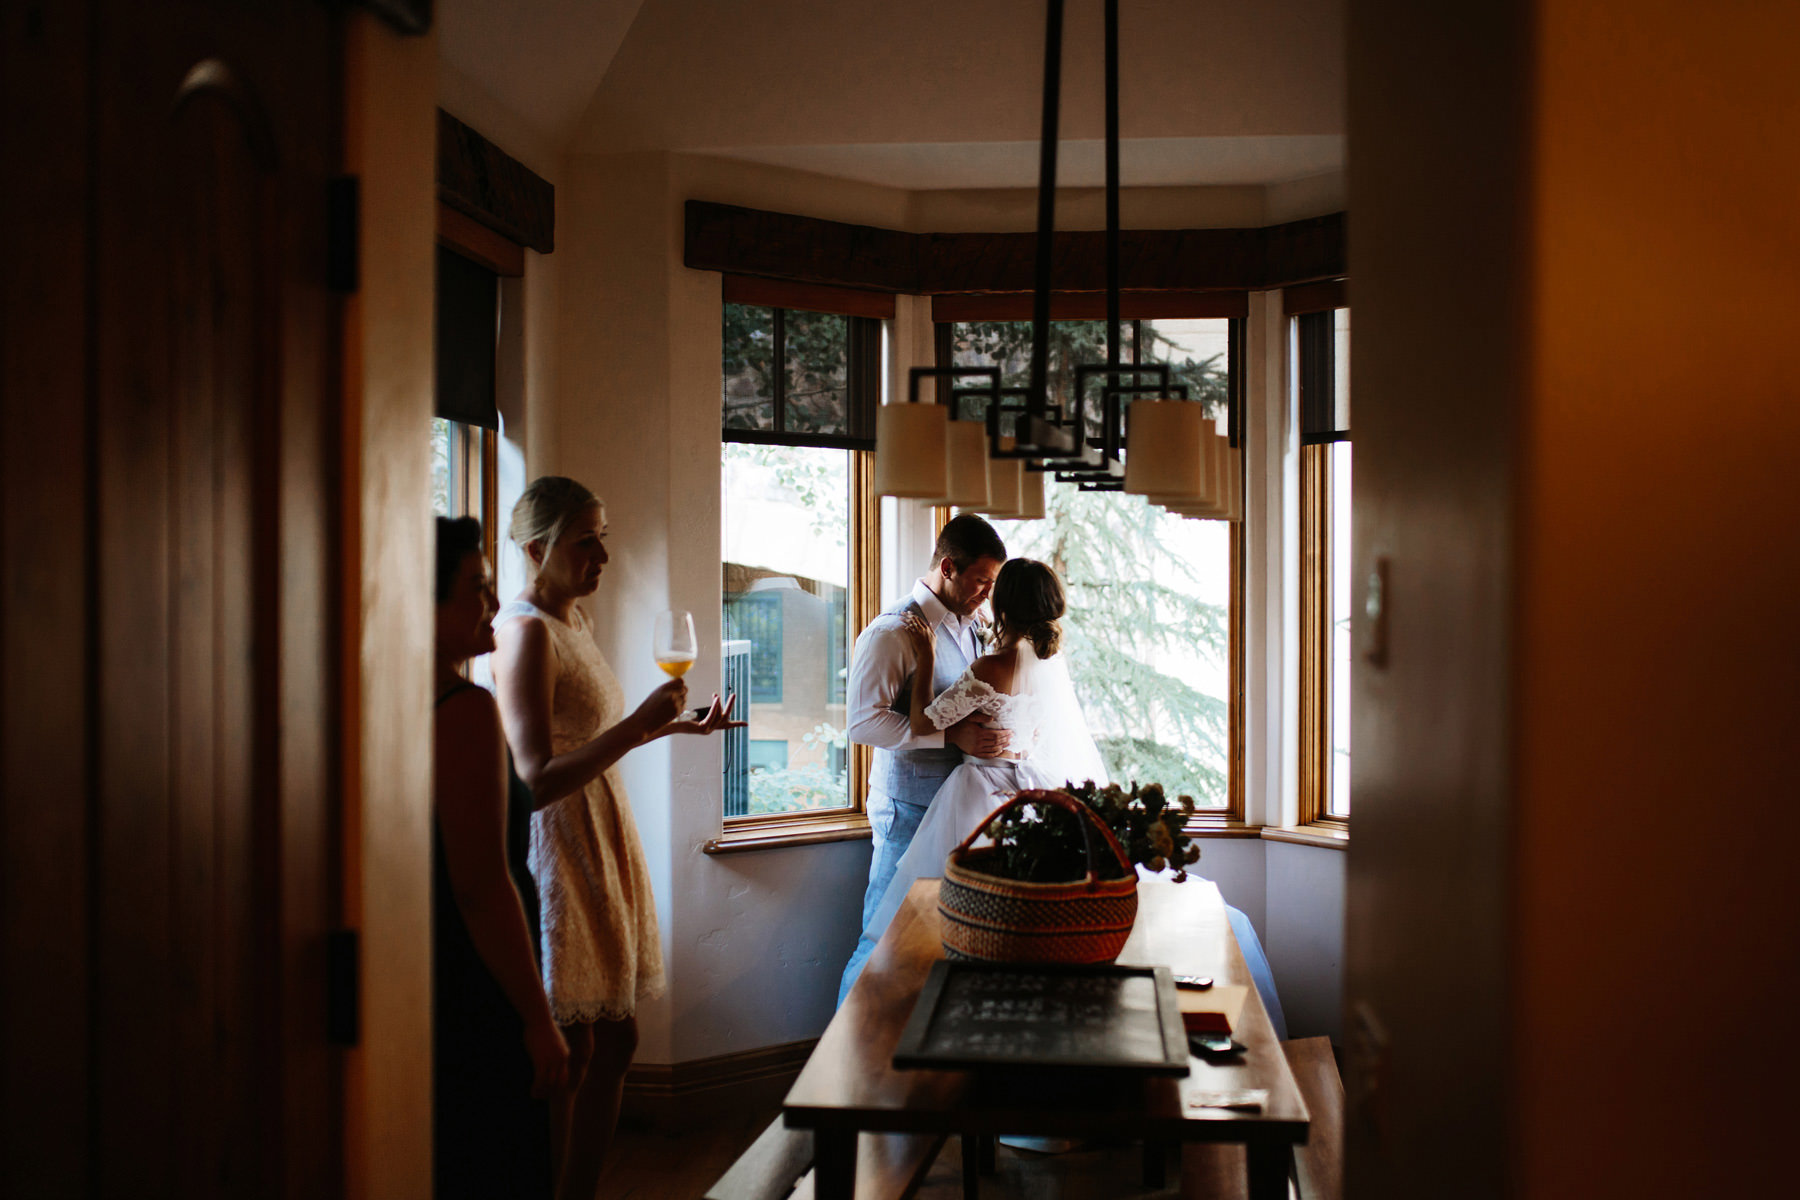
{"type": "Point", "coordinates": [1028, 601]}
{"type": "Point", "coordinates": [546, 508]}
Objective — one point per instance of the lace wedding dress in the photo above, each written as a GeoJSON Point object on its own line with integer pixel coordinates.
{"type": "Point", "coordinates": [1050, 748]}
{"type": "Point", "coordinates": [1054, 748]}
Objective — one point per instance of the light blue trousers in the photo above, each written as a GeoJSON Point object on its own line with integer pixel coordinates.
{"type": "Point", "coordinates": [892, 824]}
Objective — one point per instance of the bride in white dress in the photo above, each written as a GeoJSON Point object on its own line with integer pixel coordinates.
{"type": "Point", "coordinates": [1022, 685]}
{"type": "Point", "coordinates": [1019, 685]}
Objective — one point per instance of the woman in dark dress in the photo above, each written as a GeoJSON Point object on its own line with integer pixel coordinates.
{"type": "Point", "coordinates": [496, 1049]}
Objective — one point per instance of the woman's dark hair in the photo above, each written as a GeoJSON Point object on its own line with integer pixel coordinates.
{"type": "Point", "coordinates": [966, 538]}
{"type": "Point", "coordinates": [457, 538]}
{"type": "Point", "coordinates": [1028, 600]}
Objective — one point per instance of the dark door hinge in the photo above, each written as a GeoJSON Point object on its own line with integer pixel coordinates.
{"type": "Point", "coordinates": [343, 987]}
{"type": "Point", "coordinates": [343, 233]}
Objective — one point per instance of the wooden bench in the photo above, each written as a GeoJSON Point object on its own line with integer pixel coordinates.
{"type": "Point", "coordinates": [1212, 1171]}
{"type": "Point", "coordinates": [1319, 1165]}
{"type": "Point", "coordinates": [778, 1166]}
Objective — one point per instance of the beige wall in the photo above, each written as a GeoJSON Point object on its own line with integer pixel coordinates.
{"type": "Point", "coordinates": [1575, 266]}
{"type": "Point", "coordinates": [1657, 637]}
{"type": "Point", "coordinates": [1437, 101]}
{"type": "Point", "coordinates": [390, 134]}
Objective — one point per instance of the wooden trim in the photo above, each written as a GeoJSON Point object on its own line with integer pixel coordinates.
{"type": "Point", "coordinates": [1090, 306]}
{"type": "Point", "coordinates": [1330, 837]}
{"type": "Point", "coordinates": [775, 833]}
{"type": "Point", "coordinates": [865, 597]}
{"type": "Point", "coordinates": [808, 297]}
{"type": "Point", "coordinates": [784, 246]}
{"type": "Point", "coordinates": [1315, 297]}
{"type": "Point", "coordinates": [490, 496]}
{"type": "Point", "coordinates": [1315, 643]}
{"type": "Point", "coordinates": [673, 1096]}
{"type": "Point", "coordinates": [676, 1080]}
{"type": "Point", "coordinates": [1236, 675]}
{"type": "Point", "coordinates": [482, 181]}
{"type": "Point", "coordinates": [1220, 830]}
{"type": "Point", "coordinates": [475, 241]}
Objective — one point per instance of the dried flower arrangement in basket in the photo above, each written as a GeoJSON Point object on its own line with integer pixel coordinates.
{"type": "Point", "coordinates": [1038, 844]}
{"type": "Point", "coordinates": [1049, 889]}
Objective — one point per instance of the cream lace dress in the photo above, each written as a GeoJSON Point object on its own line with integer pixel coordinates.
{"type": "Point", "coordinates": [602, 952]}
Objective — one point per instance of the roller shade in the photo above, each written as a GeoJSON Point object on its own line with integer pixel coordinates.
{"type": "Point", "coordinates": [1324, 406]}
{"type": "Point", "coordinates": [467, 325]}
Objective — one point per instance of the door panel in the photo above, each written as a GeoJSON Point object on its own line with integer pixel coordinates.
{"type": "Point", "coordinates": [209, 384]}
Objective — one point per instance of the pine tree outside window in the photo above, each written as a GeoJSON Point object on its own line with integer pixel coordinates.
{"type": "Point", "coordinates": [1151, 631]}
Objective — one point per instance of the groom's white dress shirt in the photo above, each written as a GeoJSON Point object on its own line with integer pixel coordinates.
{"type": "Point", "coordinates": [883, 659]}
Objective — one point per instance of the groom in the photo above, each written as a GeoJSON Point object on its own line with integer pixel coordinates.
{"type": "Point", "coordinates": [908, 770]}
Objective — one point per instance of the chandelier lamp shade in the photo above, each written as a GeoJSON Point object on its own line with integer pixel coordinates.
{"type": "Point", "coordinates": [911, 458]}
{"type": "Point", "coordinates": [1224, 500]}
{"type": "Point", "coordinates": [966, 477]}
{"type": "Point", "coordinates": [1006, 482]}
{"type": "Point", "coordinates": [922, 452]}
{"type": "Point", "coordinates": [1168, 459]}
{"type": "Point", "coordinates": [1031, 495]}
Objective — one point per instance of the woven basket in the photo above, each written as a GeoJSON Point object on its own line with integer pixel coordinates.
{"type": "Point", "coordinates": [990, 919]}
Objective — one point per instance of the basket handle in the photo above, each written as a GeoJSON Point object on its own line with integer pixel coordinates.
{"type": "Point", "coordinates": [1086, 818]}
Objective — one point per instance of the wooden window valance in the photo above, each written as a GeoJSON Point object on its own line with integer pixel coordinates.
{"type": "Point", "coordinates": [1090, 306]}
{"type": "Point", "coordinates": [1323, 296]}
{"type": "Point", "coordinates": [810, 297]}
{"type": "Point", "coordinates": [797, 249]}
{"type": "Point", "coordinates": [484, 183]}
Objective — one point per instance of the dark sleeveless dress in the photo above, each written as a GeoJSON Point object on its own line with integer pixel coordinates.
{"type": "Point", "coordinates": [491, 1139]}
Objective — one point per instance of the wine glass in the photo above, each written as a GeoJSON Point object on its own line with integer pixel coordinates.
{"type": "Point", "coordinates": [675, 647]}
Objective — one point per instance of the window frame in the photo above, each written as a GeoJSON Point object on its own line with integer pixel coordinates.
{"type": "Point", "coordinates": [1317, 552]}
{"type": "Point", "coordinates": [506, 259]}
{"type": "Point", "coordinates": [474, 456]}
{"type": "Point", "coordinates": [866, 330]}
{"type": "Point", "coordinates": [1135, 310]}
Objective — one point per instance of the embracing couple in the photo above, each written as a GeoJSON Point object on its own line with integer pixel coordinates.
{"type": "Point", "coordinates": [960, 715]}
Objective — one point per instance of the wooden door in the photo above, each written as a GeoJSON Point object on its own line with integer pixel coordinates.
{"type": "Point", "coordinates": [168, 824]}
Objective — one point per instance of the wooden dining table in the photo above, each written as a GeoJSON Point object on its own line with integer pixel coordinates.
{"type": "Point", "coordinates": [850, 1084]}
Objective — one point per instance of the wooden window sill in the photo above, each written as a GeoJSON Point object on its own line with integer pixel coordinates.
{"type": "Point", "coordinates": [775, 833]}
{"type": "Point", "coordinates": [1331, 838]}
{"type": "Point", "coordinates": [1222, 829]}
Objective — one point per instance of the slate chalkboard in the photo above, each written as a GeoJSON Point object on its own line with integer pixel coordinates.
{"type": "Point", "coordinates": [987, 1016]}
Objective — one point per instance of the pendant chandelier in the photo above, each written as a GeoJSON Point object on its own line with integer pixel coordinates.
{"type": "Point", "coordinates": [1177, 465]}
{"type": "Point", "coordinates": [1089, 446]}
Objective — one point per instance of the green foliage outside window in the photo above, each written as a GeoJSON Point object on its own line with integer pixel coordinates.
{"type": "Point", "coordinates": [793, 789]}
{"type": "Point", "coordinates": [1131, 604]}
{"type": "Point", "coordinates": [809, 352]}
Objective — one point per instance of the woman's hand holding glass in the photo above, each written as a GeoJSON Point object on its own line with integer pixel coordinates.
{"type": "Point", "coordinates": [664, 711]}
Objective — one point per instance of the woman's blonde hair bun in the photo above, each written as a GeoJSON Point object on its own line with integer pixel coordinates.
{"type": "Point", "coordinates": [545, 510]}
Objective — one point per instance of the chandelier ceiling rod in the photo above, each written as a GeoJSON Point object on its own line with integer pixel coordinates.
{"type": "Point", "coordinates": [1114, 345]}
{"type": "Point", "coordinates": [1039, 383]}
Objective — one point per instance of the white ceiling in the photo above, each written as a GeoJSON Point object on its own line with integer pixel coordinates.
{"type": "Point", "coordinates": [936, 94]}
{"type": "Point", "coordinates": [1144, 162]}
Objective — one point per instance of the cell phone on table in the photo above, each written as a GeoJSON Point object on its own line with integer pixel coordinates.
{"type": "Point", "coordinates": [1193, 983]}
{"type": "Point", "coordinates": [1214, 1044]}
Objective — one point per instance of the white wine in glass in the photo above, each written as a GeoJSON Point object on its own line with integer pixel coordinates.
{"type": "Point", "coordinates": [675, 648]}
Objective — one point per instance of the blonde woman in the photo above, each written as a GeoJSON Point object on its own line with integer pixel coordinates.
{"type": "Point", "coordinates": [566, 720]}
